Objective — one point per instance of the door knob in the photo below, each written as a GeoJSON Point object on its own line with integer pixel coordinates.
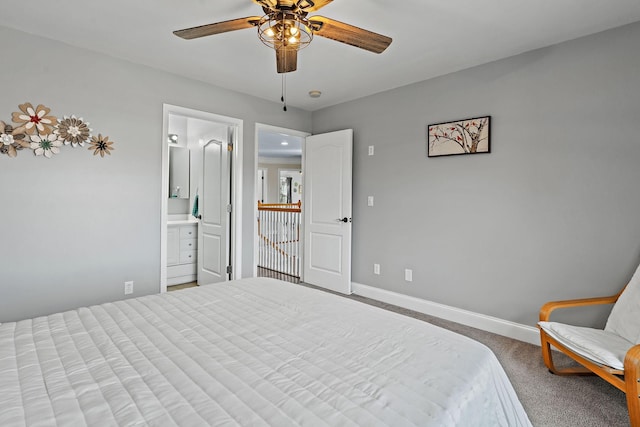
{"type": "Point", "coordinates": [345, 219]}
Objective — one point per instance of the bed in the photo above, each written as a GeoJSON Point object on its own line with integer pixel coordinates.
{"type": "Point", "coordinates": [250, 352]}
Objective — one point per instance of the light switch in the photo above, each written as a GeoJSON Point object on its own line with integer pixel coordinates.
{"type": "Point", "coordinates": [408, 275]}
{"type": "Point", "coordinates": [371, 150]}
{"type": "Point", "coordinates": [370, 201]}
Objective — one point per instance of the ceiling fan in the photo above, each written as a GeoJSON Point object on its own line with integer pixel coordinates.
{"type": "Point", "coordinates": [286, 28]}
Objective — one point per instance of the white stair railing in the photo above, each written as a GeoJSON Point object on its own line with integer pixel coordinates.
{"type": "Point", "coordinates": [279, 237]}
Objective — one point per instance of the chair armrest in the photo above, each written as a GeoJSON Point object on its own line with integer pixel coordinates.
{"type": "Point", "coordinates": [547, 308]}
{"type": "Point", "coordinates": [632, 358]}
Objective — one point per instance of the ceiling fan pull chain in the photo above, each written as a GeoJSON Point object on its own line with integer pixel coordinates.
{"type": "Point", "coordinates": [283, 96]}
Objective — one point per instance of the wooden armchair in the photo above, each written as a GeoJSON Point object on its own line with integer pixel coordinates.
{"type": "Point", "coordinates": [613, 353]}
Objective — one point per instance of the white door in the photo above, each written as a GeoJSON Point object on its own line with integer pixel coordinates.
{"type": "Point", "coordinates": [327, 210]}
{"type": "Point", "coordinates": [213, 230]}
{"type": "Point", "coordinates": [261, 185]}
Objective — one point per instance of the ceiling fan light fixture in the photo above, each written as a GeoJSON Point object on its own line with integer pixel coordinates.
{"type": "Point", "coordinates": [277, 30]}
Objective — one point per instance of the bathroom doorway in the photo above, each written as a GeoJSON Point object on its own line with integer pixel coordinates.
{"type": "Point", "coordinates": [201, 169]}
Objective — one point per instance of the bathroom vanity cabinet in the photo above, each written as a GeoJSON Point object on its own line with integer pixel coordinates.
{"type": "Point", "coordinates": [182, 252]}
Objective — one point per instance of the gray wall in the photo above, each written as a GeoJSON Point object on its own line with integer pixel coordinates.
{"type": "Point", "coordinates": [75, 227]}
{"type": "Point", "coordinates": [551, 213]}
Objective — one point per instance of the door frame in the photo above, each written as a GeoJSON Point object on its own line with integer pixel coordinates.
{"type": "Point", "coordinates": [236, 185]}
{"type": "Point", "coordinates": [286, 131]}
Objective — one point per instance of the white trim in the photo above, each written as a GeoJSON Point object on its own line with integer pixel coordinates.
{"type": "Point", "coordinates": [164, 198]}
{"type": "Point", "coordinates": [236, 202]}
{"type": "Point", "coordinates": [495, 325]}
{"type": "Point", "coordinates": [280, 160]}
{"type": "Point", "coordinates": [236, 185]}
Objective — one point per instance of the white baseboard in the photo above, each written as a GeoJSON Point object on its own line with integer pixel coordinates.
{"type": "Point", "coordinates": [506, 328]}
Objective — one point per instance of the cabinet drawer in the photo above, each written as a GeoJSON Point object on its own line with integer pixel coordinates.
{"type": "Point", "coordinates": [188, 232]}
{"type": "Point", "coordinates": [181, 270]}
{"type": "Point", "coordinates": [188, 257]}
{"type": "Point", "coordinates": [188, 245]}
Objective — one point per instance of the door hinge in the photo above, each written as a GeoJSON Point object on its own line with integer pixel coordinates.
{"type": "Point", "coordinates": [229, 208]}
{"type": "Point", "coordinates": [229, 269]}
{"type": "Point", "coordinates": [230, 146]}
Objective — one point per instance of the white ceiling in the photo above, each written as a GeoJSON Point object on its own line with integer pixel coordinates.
{"type": "Point", "coordinates": [275, 144]}
{"type": "Point", "coordinates": [430, 38]}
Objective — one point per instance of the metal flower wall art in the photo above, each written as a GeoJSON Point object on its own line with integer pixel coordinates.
{"type": "Point", "coordinates": [35, 129]}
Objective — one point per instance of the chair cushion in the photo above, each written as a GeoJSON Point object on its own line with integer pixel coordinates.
{"type": "Point", "coordinates": [624, 319]}
{"type": "Point", "coordinates": [597, 345]}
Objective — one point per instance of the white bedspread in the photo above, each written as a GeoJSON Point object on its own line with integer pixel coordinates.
{"type": "Point", "coordinates": [251, 352]}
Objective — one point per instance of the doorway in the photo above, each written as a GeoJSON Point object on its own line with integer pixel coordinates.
{"type": "Point", "coordinates": [196, 135]}
{"type": "Point", "coordinates": [290, 185]}
{"type": "Point", "coordinates": [278, 230]}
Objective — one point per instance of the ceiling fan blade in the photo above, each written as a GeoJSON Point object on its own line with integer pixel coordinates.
{"type": "Point", "coordinates": [349, 34]}
{"type": "Point", "coordinates": [217, 28]}
{"type": "Point", "coordinates": [286, 59]}
{"type": "Point", "coordinates": [269, 4]}
{"type": "Point", "coordinates": [312, 5]}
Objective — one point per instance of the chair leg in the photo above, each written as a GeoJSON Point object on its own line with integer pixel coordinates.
{"type": "Point", "coordinates": [546, 353]}
{"type": "Point", "coordinates": [548, 360]}
{"type": "Point", "coordinates": [633, 404]}
{"type": "Point", "coordinates": [632, 384]}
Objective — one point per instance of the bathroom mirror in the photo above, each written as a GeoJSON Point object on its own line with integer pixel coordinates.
{"type": "Point", "coordinates": [178, 172]}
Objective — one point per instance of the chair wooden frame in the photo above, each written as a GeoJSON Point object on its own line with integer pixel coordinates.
{"type": "Point", "coordinates": [627, 380]}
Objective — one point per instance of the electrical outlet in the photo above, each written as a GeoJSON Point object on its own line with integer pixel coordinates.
{"type": "Point", "coordinates": [376, 268]}
{"type": "Point", "coordinates": [371, 150]}
{"type": "Point", "coordinates": [408, 275]}
{"type": "Point", "coordinates": [370, 201]}
{"type": "Point", "coordinates": [128, 288]}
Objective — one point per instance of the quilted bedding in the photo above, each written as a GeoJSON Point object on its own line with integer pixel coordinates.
{"type": "Point", "coordinates": [250, 352]}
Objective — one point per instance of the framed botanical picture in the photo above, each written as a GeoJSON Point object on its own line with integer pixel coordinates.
{"type": "Point", "coordinates": [469, 136]}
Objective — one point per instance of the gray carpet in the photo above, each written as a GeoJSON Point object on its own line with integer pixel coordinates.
{"type": "Point", "coordinates": [550, 400]}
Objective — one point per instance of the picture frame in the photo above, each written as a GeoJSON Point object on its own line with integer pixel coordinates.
{"type": "Point", "coordinates": [467, 136]}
